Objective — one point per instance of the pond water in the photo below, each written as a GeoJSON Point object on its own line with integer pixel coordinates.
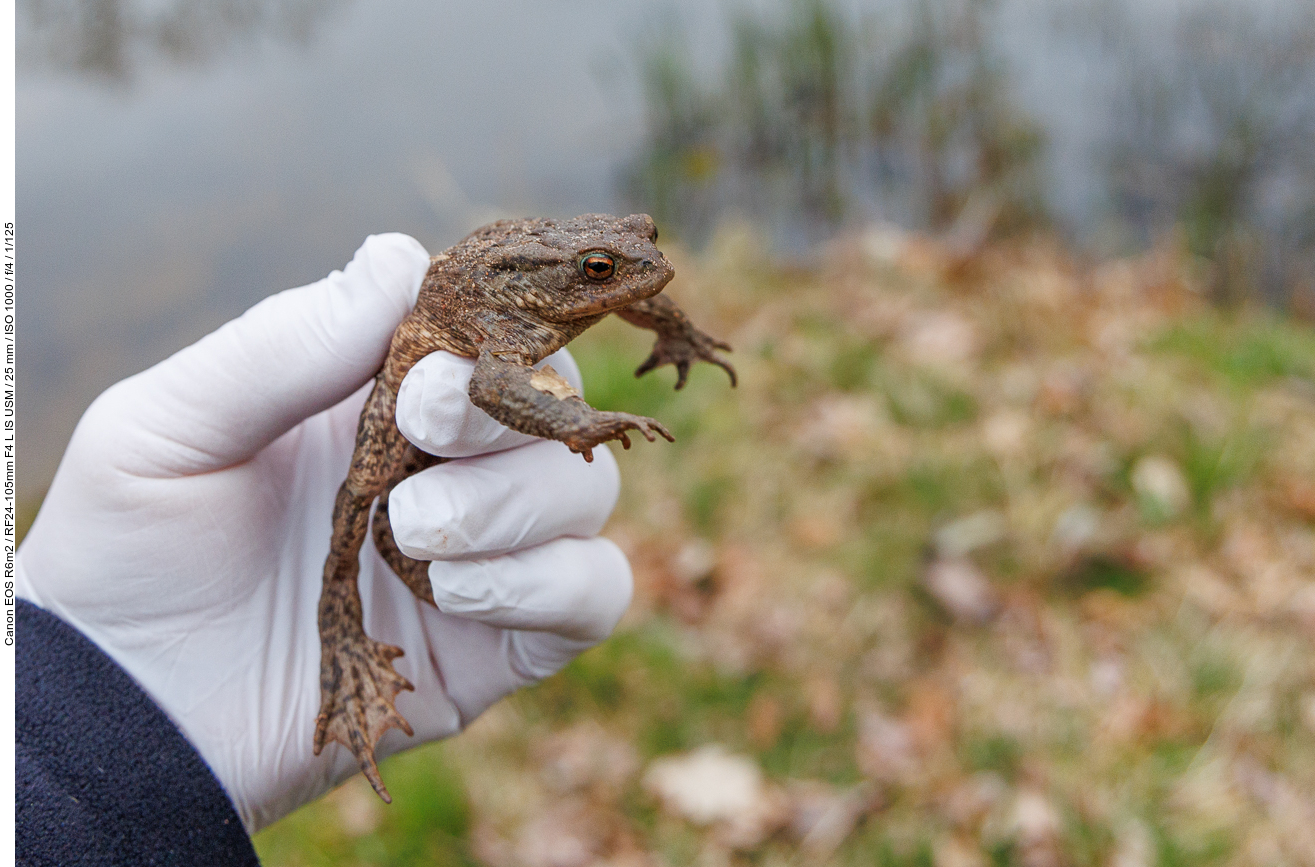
{"type": "Point", "coordinates": [157, 198]}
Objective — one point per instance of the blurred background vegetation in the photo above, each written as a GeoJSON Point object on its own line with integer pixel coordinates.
{"type": "Point", "coordinates": [822, 115]}
{"type": "Point", "coordinates": [1003, 552]}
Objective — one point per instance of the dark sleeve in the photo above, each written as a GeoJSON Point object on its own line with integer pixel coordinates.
{"type": "Point", "coordinates": [103, 776]}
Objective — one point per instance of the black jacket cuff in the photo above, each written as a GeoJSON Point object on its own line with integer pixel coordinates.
{"type": "Point", "coordinates": [103, 775]}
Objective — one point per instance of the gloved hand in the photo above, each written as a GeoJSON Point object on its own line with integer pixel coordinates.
{"type": "Point", "coordinates": [186, 529]}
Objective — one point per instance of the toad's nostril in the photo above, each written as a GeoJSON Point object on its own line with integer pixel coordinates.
{"type": "Point", "coordinates": [646, 263]}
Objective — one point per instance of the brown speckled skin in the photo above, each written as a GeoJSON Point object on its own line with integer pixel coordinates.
{"type": "Point", "coordinates": [509, 295]}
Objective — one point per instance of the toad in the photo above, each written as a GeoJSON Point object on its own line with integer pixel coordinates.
{"type": "Point", "coordinates": [509, 295]}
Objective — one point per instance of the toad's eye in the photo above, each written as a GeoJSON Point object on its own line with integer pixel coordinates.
{"type": "Point", "coordinates": [597, 266]}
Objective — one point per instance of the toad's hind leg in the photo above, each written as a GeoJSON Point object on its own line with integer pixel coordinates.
{"type": "Point", "coordinates": [357, 679]}
{"type": "Point", "coordinates": [414, 573]}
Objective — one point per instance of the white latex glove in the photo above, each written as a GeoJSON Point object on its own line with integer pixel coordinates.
{"type": "Point", "coordinates": [187, 526]}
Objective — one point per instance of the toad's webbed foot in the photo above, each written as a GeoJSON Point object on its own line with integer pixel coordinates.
{"type": "Point", "coordinates": [683, 352]}
{"type": "Point", "coordinates": [358, 684]}
{"type": "Point", "coordinates": [357, 679]}
{"type": "Point", "coordinates": [679, 342]}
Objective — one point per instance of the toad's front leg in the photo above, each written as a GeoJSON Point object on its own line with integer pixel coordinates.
{"type": "Point", "coordinates": [542, 404]}
{"type": "Point", "coordinates": [357, 681]}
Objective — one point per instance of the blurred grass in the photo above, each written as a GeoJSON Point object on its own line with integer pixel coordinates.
{"type": "Point", "coordinates": [1122, 674]}
{"type": "Point", "coordinates": [427, 823]}
{"type": "Point", "coordinates": [1247, 353]}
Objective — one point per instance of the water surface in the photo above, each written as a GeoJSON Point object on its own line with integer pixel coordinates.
{"type": "Point", "coordinates": [158, 198]}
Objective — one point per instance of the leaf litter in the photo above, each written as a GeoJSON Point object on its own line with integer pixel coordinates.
{"type": "Point", "coordinates": [996, 561]}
